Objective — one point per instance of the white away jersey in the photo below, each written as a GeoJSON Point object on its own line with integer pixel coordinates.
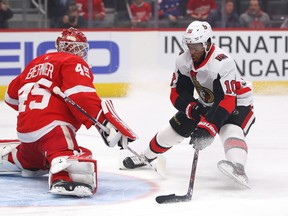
{"type": "Point", "coordinates": [217, 65]}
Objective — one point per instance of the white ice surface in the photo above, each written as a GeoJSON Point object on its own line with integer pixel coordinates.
{"type": "Point", "coordinates": [147, 109]}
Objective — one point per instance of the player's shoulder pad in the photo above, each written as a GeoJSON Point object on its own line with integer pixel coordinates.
{"type": "Point", "coordinates": [221, 55]}
{"type": "Point", "coordinates": [222, 62]}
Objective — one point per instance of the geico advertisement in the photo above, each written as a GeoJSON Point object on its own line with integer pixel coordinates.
{"type": "Point", "coordinates": [259, 55]}
{"type": "Point", "coordinates": [17, 49]}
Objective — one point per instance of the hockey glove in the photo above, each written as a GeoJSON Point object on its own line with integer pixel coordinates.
{"type": "Point", "coordinates": [203, 135]}
{"type": "Point", "coordinates": [113, 137]}
{"type": "Point", "coordinates": [194, 110]}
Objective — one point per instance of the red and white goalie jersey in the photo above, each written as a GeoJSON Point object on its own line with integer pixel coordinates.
{"type": "Point", "coordinates": [216, 81]}
{"type": "Point", "coordinates": [39, 109]}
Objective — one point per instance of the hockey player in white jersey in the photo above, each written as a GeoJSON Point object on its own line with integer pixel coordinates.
{"type": "Point", "coordinates": [223, 105]}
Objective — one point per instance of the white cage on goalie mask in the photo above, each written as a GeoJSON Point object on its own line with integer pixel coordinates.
{"type": "Point", "coordinates": [73, 41]}
{"type": "Point", "coordinates": [76, 48]}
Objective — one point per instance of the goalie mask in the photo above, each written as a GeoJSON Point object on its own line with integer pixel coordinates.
{"type": "Point", "coordinates": [198, 32]}
{"type": "Point", "coordinates": [73, 41]}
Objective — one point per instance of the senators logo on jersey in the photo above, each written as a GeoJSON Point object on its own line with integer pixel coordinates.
{"type": "Point", "coordinates": [206, 94]}
{"type": "Point", "coordinates": [220, 57]}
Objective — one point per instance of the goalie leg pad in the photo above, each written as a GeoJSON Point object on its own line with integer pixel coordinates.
{"type": "Point", "coordinates": [8, 153]}
{"type": "Point", "coordinates": [8, 147]}
{"type": "Point", "coordinates": [82, 170]}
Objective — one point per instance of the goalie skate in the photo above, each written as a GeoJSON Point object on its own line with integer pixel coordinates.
{"type": "Point", "coordinates": [135, 161]}
{"type": "Point", "coordinates": [71, 189]}
{"type": "Point", "coordinates": [234, 171]}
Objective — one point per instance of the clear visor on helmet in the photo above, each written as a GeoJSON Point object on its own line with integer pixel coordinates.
{"type": "Point", "coordinates": [77, 48]}
{"type": "Point", "coordinates": [197, 47]}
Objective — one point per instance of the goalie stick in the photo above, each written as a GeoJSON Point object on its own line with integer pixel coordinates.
{"type": "Point", "coordinates": [10, 172]}
{"type": "Point", "coordinates": [172, 198]}
{"type": "Point", "coordinates": [57, 91]}
{"type": "Point", "coordinates": [123, 128]}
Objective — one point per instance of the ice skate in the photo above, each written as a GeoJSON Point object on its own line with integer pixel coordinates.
{"type": "Point", "coordinates": [71, 189]}
{"type": "Point", "coordinates": [135, 161]}
{"type": "Point", "coordinates": [234, 171]}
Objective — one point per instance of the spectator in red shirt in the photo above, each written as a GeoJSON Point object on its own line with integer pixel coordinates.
{"type": "Point", "coordinates": [98, 9]}
{"type": "Point", "coordinates": [200, 9]}
{"type": "Point", "coordinates": [140, 13]}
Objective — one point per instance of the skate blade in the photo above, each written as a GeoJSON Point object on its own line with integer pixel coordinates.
{"type": "Point", "coordinates": [227, 170]}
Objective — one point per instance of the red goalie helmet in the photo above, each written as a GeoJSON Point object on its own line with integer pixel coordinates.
{"type": "Point", "coordinates": [73, 41]}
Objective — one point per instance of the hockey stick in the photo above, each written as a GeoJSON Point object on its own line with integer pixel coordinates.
{"type": "Point", "coordinates": [57, 91]}
{"type": "Point", "coordinates": [172, 198]}
{"type": "Point", "coordinates": [10, 172]}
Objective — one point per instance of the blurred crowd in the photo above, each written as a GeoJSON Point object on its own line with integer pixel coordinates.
{"type": "Point", "coordinates": [5, 14]}
{"type": "Point", "coordinates": [157, 13]}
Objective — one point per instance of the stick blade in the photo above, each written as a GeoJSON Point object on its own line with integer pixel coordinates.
{"type": "Point", "coordinates": [172, 198]}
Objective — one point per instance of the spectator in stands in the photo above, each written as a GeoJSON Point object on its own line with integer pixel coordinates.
{"type": "Point", "coordinates": [140, 13]}
{"type": "Point", "coordinates": [285, 23]}
{"type": "Point", "coordinates": [98, 12]}
{"type": "Point", "coordinates": [57, 9]}
{"type": "Point", "coordinates": [254, 17]}
{"type": "Point", "coordinates": [170, 12]}
{"type": "Point", "coordinates": [226, 18]}
{"type": "Point", "coordinates": [110, 3]}
{"type": "Point", "coordinates": [5, 14]}
{"type": "Point", "coordinates": [99, 18]}
{"type": "Point", "coordinates": [200, 9]}
{"type": "Point", "coordinates": [120, 7]}
{"type": "Point", "coordinates": [72, 19]}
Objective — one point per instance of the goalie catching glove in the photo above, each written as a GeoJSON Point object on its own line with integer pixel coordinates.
{"type": "Point", "coordinates": [203, 135]}
{"type": "Point", "coordinates": [115, 131]}
{"type": "Point", "coordinates": [113, 137]}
